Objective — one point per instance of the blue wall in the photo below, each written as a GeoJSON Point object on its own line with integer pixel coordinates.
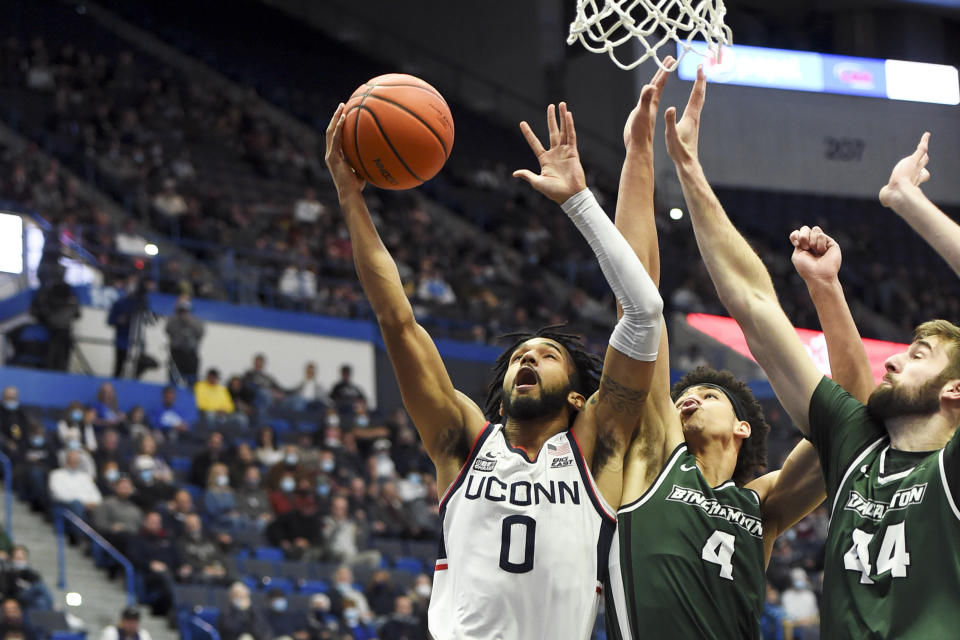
{"type": "Point", "coordinates": [47, 389]}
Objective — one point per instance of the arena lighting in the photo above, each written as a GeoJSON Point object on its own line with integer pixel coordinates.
{"type": "Point", "coordinates": [73, 599]}
{"type": "Point", "coordinates": [823, 73]}
{"type": "Point", "coordinates": [727, 331]}
{"type": "Point", "coordinates": [151, 249]}
{"type": "Point", "coordinates": [676, 213]}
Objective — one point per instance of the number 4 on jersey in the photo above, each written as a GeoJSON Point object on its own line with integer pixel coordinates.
{"type": "Point", "coordinates": [892, 557]}
{"type": "Point", "coordinates": [719, 550]}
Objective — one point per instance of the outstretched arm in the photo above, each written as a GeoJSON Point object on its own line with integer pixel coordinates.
{"type": "Point", "coordinates": [902, 193]}
{"type": "Point", "coordinates": [445, 419]}
{"type": "Point", "coordinates": [612, 413]}
{"type": "Point", "coordinates": [816, 257]}
{"type": "Point", "coordinates": [659, 430]}
{"type": "Point", "coordinates": [742, 282]}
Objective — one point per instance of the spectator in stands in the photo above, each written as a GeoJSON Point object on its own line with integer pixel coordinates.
{"type": "Point", "coordinates": [264, 387]}
{"type": "Point", "coordinates": [420, 594]}
{"type": "Point", "coordinates": [241, 618]}
{"type": "Point", "coordinates": [308, 210]}
{"type": "Point", "coordinates": [299, 531]}
{"type": "Point", "coordinates": [73, 488]}
{"type": "Point", "coordinates": [388, 515]}
{"type": "Point", "coordinates": [268, 454]}
{"type": "Point", "coordinates": [15, 422]}
{"type": "Point", "coordinates": [129, 316]}
{"type": "Point", "coordinates": [24, 583]}
{"type": "Point", "coordinates": [107, 476]}
{"type": "Point", "coordinates": [108, 412]}
{"type": "Point", "coordinates": [118, 517]}
{"type": "Point", "coordinates": [799, 603]}
{"type": "Point", "coordinates": [13, 624]}
{"type": "Point", "coordinates": [309, 395]}
{"type": "Point", "coordinates": [242, 460]}
{"type": "Point", "coordinates": [177, 511]}
{"type": "Point", "coordinates": [213, 453]}
{"type": "Point", "coordinates": [165, 417]}
{"type": "Point", "coordinates": [242, 398]}
{"type": "Point", "coordinates": [402, 624]}
{"type": "Point", "coordinates": [297, 286]}
{"type": "Point", "coordinates": [185, 331]}
{"type": "Point", "coordinates": [170, 206]}
{"type": "Point", "coordinates": [137, 425]}
{"type": "Point", "coordinates": [346, 391]}
{"type": "Point", "coordinates": [155, 557]}
{"type": "Point", "coordinates": [284, 497]}
{"type": "Point", "coordinates": [152, 476]}
{"type": "Point", "coordinates": [213, 399]}
{"type": "Point", "coordinates": [283, 622]}
{"type": "Point", "coordinates": [408, 452]}
{"type": "Point", "coordinates": [346, 591]}
{"type": "Point", "coordinates": [344, 537]}
{"type": "Point", "coordinates": [127, 628]}
{"type": "Point", "coordinates": [252, 500]}
{"type": "Point", "coordinates": [32, 462]}
{"type": "Point", "coordinates": [290, 463]}
{"type": "Point", "coordinates": [771, 620]}
{"type": "Point", "coordinates": [56, 307]}
{"type": "Point", "coordinates": [380, 465]}
{"type": "Point", "coordinates": [73, 427]}
{"type": "Point", "coordinates": [322, 624]}
{"type": "Point", "coordinates": [357, 624]}
{"type": "Point", "coordinates": [381, 593]}
{"type": "Point", "coordinates": [219, 502]}
{"type": "Point", "coordinates": [111, 449]}
{"type": "Point", "coordinates": [202, 560]}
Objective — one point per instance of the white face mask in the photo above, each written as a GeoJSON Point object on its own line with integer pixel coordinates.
{"type": "Point", "coordinates": [423, 590]}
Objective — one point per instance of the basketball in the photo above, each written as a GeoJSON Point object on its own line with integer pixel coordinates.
{"type": "Point", "coordinates": [398, 131]}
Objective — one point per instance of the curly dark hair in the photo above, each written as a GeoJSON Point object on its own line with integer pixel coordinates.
{"type": "Point", "coordinates": [587, 366]}
{"type": "Point", "coordinates": [752, 458]}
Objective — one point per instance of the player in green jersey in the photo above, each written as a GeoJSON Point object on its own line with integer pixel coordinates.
{"type": "Point", "coordinates": [695, 527]}
{"type": "Point", "coordinates": [892, 467]}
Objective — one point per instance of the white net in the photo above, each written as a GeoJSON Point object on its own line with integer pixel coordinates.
{"type": "Point", "coordinates": [611, 28]}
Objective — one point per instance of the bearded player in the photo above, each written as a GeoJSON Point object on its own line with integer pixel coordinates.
{"type": "Point", "coordinates": [892, 466]}
{"type": "Point", "coordinates": [696, 528]}
{"type": "Point", "coordinates": [525, 503]}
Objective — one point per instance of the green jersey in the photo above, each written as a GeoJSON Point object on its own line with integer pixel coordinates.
{"type": "Point", "coordinates": [687, 560]}
{"type": "Point", "coordinates": [893, 549]}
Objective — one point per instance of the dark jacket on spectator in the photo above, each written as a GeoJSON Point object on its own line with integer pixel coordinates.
{"type": "Point", "coordinates": [234, 623]}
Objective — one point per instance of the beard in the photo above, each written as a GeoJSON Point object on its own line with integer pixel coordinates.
{"type": "Point", "coordinates": [528, 408]}
{"type": "Point", "coordinates": [895, 402]}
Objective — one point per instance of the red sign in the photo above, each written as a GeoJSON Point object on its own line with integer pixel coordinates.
{"type": "Point", "coordinates": [727, 331]}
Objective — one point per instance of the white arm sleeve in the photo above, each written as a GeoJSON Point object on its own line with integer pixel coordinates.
{"type": "Point", "coordinates": [637, 334]}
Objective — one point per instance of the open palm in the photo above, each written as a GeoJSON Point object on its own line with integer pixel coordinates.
{"type": "Point", "coordinates": [561, 173]}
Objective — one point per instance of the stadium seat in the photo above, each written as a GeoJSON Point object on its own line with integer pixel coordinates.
{"type": "Point", "coordinates": [407, 563]}
{"type": "Point", "coordinates": [272, 554]}
{"type": "Point", "coordinates": [314, 586]}
{"type": "Point", "coordinates": [277, 582]}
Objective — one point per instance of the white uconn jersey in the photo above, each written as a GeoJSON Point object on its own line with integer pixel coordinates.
{"type": "Point", "coordinates": [524, 546]}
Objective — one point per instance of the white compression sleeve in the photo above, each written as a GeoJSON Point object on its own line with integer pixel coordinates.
{"type": "Point", "coordinates": [637, 334]}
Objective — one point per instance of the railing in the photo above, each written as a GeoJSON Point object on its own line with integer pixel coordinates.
{"type": "Point", "coordinates": [206, 627]}
{"type": "Point", "coordinates": [95, 538]}
{"type": "Point", "coordinates": [7, 494]}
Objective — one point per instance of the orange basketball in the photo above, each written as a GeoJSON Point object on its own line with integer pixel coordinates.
{"type": "Point", "coordinates": [398, 132]}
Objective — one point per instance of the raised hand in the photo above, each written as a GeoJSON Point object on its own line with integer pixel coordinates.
{"type": "Point", "coordinates": [344, 177]}
{"type": "Point", "coordinates": [641, 123]}
{"type": "Point", "coordinates": [909, 172]}
{"type": "Point", "coordinates": [561, 174]}
{"type": "Point", "coordinates": [816, 256]}
{"type": "Point", "coordinates": [683, 136]}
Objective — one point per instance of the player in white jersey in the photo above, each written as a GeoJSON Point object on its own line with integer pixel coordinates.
{"type": "Point", "coordinates": [520, 565]}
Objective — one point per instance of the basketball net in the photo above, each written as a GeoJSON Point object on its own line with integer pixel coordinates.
{"type": "Point", "coordinates": [653, 23]}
